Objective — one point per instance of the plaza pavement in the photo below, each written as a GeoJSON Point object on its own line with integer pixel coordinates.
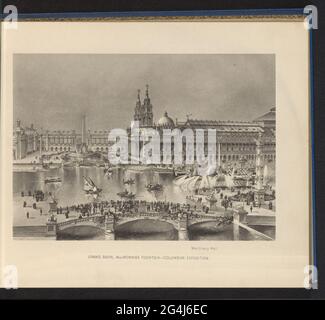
{"type": "Point", "coordinates": [35, 218]}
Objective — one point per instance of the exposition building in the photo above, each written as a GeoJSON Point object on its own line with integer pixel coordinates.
{"type": "Point", "coordinates": [236, 140]}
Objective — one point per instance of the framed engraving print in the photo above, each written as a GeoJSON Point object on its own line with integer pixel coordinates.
{"type": "Point", "coordinates": [156, 151]}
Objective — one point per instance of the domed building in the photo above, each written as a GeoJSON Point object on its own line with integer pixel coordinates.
{"type": "Point", "coordinates": [165, 122]}
{"type": "Point", "coordinates": [236, 141]}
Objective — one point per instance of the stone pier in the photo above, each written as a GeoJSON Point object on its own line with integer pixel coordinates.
{"type": "Point", "coordinates": [236, 231]}
{"type": "Point", "coordinates": [51, 229]}
{"type": "Point", "coordinates": [109, 228]}
{"type": "Point", "coordinates": [239, 218]}
{"type": "Point", "coordinates": [182, 227]}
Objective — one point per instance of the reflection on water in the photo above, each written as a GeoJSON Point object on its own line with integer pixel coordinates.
{"type": "Point", "coordinates": [81, 233]}
{"type": "Point", "coordinates": [70, 192]}
{"type": "Point", "coordinates": [146, 230]}
{"type": "Point", "coordinates": [208, 231]}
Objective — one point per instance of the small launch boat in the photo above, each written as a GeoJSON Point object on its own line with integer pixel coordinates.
{"type": "Point", "coordinates": [52, 179]}
{"type": "Point", "coordinates": [126, 195]}
{"type": "Point", "coordinates": [154, 187]}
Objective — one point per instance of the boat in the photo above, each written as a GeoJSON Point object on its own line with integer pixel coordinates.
{"type": "Point", "coordinates": [179, 172]}
{"type": "Point", "coordinates": [162, 169]}
{"type": "Point", "coordinates": [85, 163]}
{"type": "Point", "coordinates": [45, 166]}
{"type": "Point", "coordinates": [126, 195]}
{"type": "Point", "coordinates": [68, 164]}
{"type": "Point", "coordinates": [129, 181]}
{"type": "Point", "coordinates": [108, 172]}
{"type": "Point", "coordinates": [90, 187]}
{"type": "Point", "coordinates": [154, 187]}
{"type": "Point", "coordinates": [52, 179]}
{"type": "Point", "coordinates": [108, 169]}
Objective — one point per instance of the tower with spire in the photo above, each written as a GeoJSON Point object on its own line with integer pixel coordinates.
{"type": "Point", "coordinates": [143, 112]}
{"type": "Point", "coordinates": [137, 109]}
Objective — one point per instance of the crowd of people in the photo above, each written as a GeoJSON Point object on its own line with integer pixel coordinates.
{"type": "Point", "coordinates": [193, 207]}
{"type": "Point", "coordinates": [129, 208]}
{"type": "Point", "coordinates": [38, 195]}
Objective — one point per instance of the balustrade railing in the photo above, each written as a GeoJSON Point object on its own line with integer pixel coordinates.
{"type": "Point", "coordinates": [186, 210]}
{"type": "Point", "coordinates": [97, 218]}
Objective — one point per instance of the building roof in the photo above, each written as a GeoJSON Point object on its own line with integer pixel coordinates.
{"type": "Point", "coordinates": [269, 116]}
{"type": "Point", "coordinates": [166, 122]}
{"type": "Point", "coordinates": [224, 126]}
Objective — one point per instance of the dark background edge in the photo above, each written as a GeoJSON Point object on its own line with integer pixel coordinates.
{"type": "Point", "coordinates": [59, 6]}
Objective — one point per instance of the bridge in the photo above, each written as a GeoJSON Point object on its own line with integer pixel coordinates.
{"type": "Point", "coordinates": [180, 216]}
{"type": "Point", "coordinates": [95, 220]}
{"type": "Point", "coordinates": [53, 227]}
{"type": "Point", "coordinates": [181, 222]}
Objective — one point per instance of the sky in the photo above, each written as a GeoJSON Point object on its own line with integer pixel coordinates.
{"type": "Point", "coordinates": [52, 91]}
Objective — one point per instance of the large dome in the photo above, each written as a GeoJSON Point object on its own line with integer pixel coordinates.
{"type": "Point", "coordinates": [166, 122]}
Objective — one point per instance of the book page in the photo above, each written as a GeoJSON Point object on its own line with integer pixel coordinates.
{"type": "Point", "coordinates": [155, 154]}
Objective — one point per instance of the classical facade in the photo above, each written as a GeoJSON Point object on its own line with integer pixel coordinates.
{"type": "Point", "coordinates": [236, 140]}
{"type": "Point", "coordinates": [25, 141]}
{"type": "Point", "coordinates": [71, 141]}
